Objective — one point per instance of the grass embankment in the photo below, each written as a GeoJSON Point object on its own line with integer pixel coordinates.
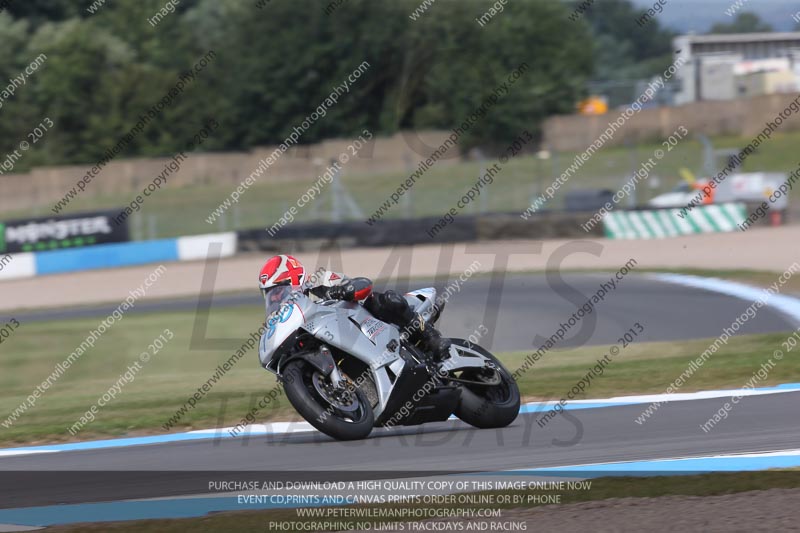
{"type": "Point", "coordinates": [183, 211]}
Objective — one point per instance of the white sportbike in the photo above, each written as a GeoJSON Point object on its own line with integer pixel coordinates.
{"type": "Point", "coordinates": [346, 372]}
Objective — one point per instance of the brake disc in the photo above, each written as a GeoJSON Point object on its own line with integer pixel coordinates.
{"type": "Point", "coordinates": [340, 398]}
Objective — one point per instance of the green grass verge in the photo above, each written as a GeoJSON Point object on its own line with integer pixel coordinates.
{"type": "Point", "coordinates": [182, 211]}
{"type": "Point", "coordinates": [176, 372]}
{"type": "Point", "coordinates": [601, 489]}
{"type": "Point", "coordinates": [645, 368]}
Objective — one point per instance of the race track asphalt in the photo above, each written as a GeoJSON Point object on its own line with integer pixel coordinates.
{"type": "Point", "coordinates": [517, 308]}
{"type": "Point", "coordinates": [758, 423]}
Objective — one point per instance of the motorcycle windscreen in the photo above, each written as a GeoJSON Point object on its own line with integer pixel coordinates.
{"type": "Point", "coordinates": [284, 316]}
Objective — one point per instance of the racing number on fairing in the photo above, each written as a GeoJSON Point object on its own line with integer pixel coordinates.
{"type": "Point", "coordinates": [282, 316]}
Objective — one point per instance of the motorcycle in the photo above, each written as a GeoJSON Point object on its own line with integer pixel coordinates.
{"type": "Point", "coordinates": [346, 372]}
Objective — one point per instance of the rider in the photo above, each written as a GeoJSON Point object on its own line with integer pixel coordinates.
{"type": "Point", "coordinates": [387, 306]}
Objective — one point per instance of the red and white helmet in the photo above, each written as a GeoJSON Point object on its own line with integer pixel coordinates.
{"type": "Point", "coordinates": [281, 270]}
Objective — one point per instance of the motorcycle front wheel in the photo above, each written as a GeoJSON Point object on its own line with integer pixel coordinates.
{"type": "Point", "coordinates": [494, 404]}
{"type": "Point", "coordinates": [344, 414]}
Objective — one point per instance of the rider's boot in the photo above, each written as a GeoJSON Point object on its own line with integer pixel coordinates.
{"type": "Point", "coordinates": [429, 338]}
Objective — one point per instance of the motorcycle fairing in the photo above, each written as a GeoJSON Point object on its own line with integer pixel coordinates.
{"type": "Point", "coordinates": [349, 327]}
{"type": "Point", "coordinates": [339, 324]}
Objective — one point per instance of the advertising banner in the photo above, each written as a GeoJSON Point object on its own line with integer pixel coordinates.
{"type": "Point", "coordinates": [58, 232]}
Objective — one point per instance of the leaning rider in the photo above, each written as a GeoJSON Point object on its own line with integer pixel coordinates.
{"type": "Point", "coordinates": [388, 306]}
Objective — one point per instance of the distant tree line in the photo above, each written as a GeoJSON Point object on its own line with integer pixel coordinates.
{"type": "Point", "coordinates": [275, 62]}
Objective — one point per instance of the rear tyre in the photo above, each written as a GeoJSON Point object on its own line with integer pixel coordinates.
{"type": "Point", "coordinates": [343, 415]}
{"type": "Point", "coordinates": [483, 406]}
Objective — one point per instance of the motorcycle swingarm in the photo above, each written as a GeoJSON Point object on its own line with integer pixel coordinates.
{"type": "Point", "coordinates": [462, 358]}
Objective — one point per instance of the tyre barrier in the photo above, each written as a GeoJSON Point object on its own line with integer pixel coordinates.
{"type": "Point", "coordinates": [661, 223]}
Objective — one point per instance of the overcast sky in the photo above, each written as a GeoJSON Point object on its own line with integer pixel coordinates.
{"type": "Point", "coordinates": [699, 15]}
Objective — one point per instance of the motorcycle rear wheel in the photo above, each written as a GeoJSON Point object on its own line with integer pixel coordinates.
{"type": "Point", "coordinates": [352, 421]}
{"type": "Point", "coordinates": [485, 407]}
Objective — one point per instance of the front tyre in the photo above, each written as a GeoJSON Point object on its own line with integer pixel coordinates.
{"type": "Point", "coordinates": [341, 414]}
{"type": "Point", "coordinates": [487, 406]}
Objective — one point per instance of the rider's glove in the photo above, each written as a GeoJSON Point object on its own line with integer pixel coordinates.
{"type": "Point", "coordinates": [342, 292]}
{"type": "Point", "coordinates": [337, 292]}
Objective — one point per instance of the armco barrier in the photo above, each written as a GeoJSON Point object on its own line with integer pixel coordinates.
{"type": "Point", "coordinates": [405, 232]}
{"type": "Point", "coordinates": [302, 236]}
{"type": "Point", "coordinates": [547, 225]}
{"type": "Point", "coordinates": [661, 223]}
{"type": "Point", "coordinates": [117, 255]}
